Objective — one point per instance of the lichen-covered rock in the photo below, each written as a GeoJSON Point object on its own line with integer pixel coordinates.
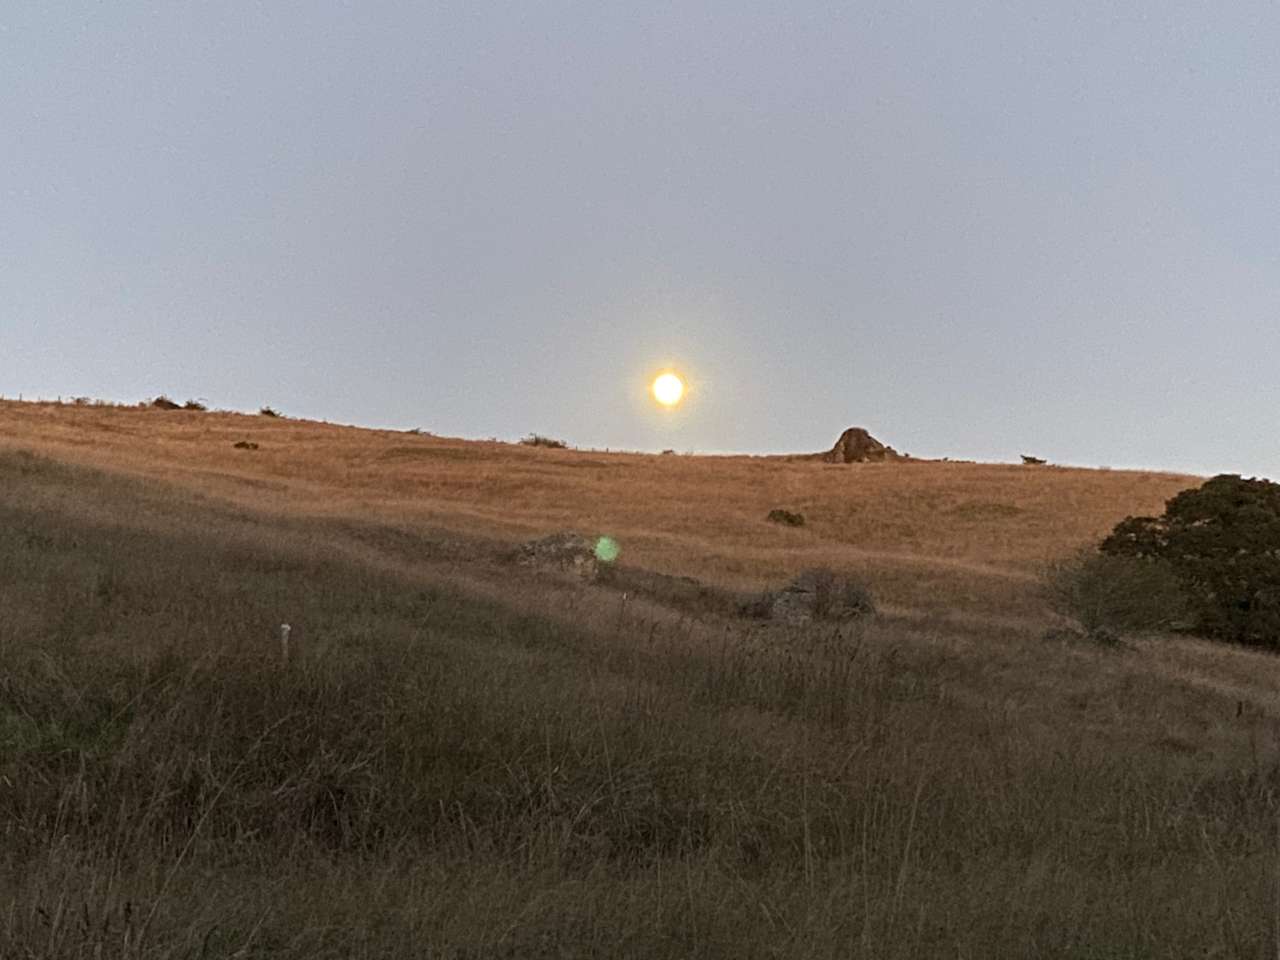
{"type": "Point", "coordinates": [565, 552]}
{"type": "Point", "coordinates": [821, 595]}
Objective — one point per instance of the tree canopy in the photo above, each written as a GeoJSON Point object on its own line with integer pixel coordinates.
{"type": "Point", "coordinates": [1222, 540]}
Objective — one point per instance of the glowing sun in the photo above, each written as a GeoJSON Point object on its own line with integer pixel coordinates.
{"type": "Point", "coordinates": [668, 389]}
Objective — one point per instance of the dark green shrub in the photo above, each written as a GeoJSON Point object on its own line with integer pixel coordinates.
{"type": "Point", "coordinates": [537, 440]}
{"type": "Point", "coordinates": [786, 517]}
{"type": "Point", "coordinates": [268, 412]}
{"type": "Point", "coordinates": [195, 405]}
{"type": "Point", "coordinates": [1104, 592]}
{"type": "Point", "coordinates": [164, 403]}
{"type": "Point", "coordinates": [1222, 540]}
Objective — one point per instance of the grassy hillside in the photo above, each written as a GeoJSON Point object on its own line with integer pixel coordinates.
{"type": "Point", "coordinates": [941, 537]}
{"type": "Point", "coordinates": [460, 760]}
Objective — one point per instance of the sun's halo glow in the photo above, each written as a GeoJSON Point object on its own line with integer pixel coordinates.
{"type": "Point", "coordinates": [668, 389]}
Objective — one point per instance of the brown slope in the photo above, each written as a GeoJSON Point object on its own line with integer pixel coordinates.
{"type": "Point", "coordinates": [938, 536]}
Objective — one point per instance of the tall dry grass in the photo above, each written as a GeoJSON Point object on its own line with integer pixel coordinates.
{"type": "Point", "coordinates": [459, 763]}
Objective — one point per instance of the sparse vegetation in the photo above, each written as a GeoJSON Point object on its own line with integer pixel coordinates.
{"type": "Point", "coordinates": [161, 402]}
{"type": "Point", "coordinates": [785, 517]}
{"type": "Point", "coordinates": [268, 412]}
{"type": "Point", "coordinates": [537, 440]}
{"type": "Point", "coordinates": [1031, 461]}
{"type": "Point", "coordinates": [246, 445]}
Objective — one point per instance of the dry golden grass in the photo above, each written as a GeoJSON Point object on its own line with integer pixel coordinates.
{"type": "Point", "coordinates": [464, 760]}
{"type": "Point", "coordinates": [955, 545]}
{"type": "Point", "coordinates": [933, 536]}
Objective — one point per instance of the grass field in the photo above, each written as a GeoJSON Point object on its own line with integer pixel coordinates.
{"type": "Point", "coordinates": [459, 759]}
{"type": "Point", "coordinates": [936, 536]}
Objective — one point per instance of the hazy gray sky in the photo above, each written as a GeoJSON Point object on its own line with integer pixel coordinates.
{"type": "Point", "coordinates": [977, 229]}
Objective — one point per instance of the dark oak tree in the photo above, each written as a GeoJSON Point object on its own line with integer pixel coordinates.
{"type": "Point", "coordinates": [1222, 540]}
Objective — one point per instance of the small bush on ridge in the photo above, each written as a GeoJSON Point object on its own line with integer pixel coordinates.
{"type": "Point", "coordinates": [537, 440]}
{"type": "Point", "coordinates": [786, 517]}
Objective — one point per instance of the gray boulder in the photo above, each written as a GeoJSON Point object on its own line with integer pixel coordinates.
{"type": "Point", "coordinates": [821, 595]}
{"type": "Point", "coordinates": [566, 552]}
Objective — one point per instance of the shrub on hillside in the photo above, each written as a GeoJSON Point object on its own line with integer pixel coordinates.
{"type": "Point", "coordinates": [1222, 541]}
{"type": "Point", "coordinates": [537, 440]}
{"type": "Point", "coordinates": [164, 403]}
{"type": "Point", "coordinates": [268, 412]}
{"type": "Point", "coordinates": [786, 517]}
{"type": "Point", "coordinates": [1105, 592]}
{"type": "Point", "coordinates": [195, 405]}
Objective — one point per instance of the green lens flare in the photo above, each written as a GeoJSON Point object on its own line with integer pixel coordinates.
{"type": "Point", "coordinates": [607, 550]}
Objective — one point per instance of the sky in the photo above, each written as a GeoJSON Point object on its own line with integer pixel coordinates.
{"type": "Point", "coordinates": [977, 229]}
